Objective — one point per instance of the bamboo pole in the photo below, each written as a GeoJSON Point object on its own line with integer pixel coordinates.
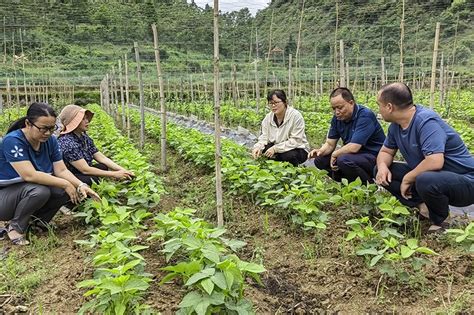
{"type": "Point", "coordinates": [23, 68]}
{"type": "Point", "coordinates": [415, 55]}
{"type": "Point", "coordinates": [217, 124]}
{"type": "Point", "coordinates": [382, 75]}
{"type": "Point", "coordinates": [402, 35]}
{"type": "Point", "coordinates": [290, 57]}
{"type": "Point", "coordinates": [4, 42]}
{"type": "Point", "coordinates": [142, 99]}
{"type": "Point", "coordinates": [267, 59]}
{"type": "Point", "coordinates": [257, 86]}
{"type": "Point", "coordinates": [127, 94]}
{"type": "Point", "coordinates": [162, 97]}
{"type": "Point", "coordinates": [257, 83]}
{"type": "Point", "coordinates": [14, 71]}
{"type": "Point", "coordinates": [342, 72]}
{"type": "Point", "coordinates": [298, 46]}
{"type": "Point", "coordinates": [234, 87]}
{"type": "Point", "coordinates": [122, 95]}
{"type": "Point", "coordinates": [441, 81]}
{"type": "Point", "coordinates": [334, 74]}
{"type": "Point", "coordinates": [433, 65]}
{"type": "Point", "coordinates": [9, 93]}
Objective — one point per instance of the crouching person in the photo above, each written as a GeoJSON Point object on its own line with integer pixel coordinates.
{"type": "Point", "coordinates": [362, 137]}
{"type": "Point", "coordinates": [439, 170]}
{"type": "Point", "coordinates": [283, 135]}
{"type": "Point", "coordinates": [80, 154]}
{"type": "Point", "coordinates": [34, 182]}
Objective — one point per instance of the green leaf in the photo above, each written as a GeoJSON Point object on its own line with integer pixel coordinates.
{"type": "Point", "coordinates": [426, 250]}
{"type": "Point", "coordinates": [406, 251]}
{"type": "Point", "coordinates": [136, 284]}
{"type": "Point", "coordinates": [219, 279]}
{"type": "Point", "coordinates": [205, 273]}
{"type": "Point", "coordinates": [368, 251]}
{"type": "Point", "coordinates": [412, 243]}
{"type": "Point", "coordinates": [375, 260]}
{"type": "Point", "coordinates": [207, 285]}
{"type": "Point", "coordinates": [191, 299]}
{"type": "Point", "coordinates": [120, 309]}
{"type": "Point", "coordinates": [201, 307]}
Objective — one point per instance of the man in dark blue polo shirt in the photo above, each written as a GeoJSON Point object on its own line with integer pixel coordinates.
{"type": "Point", "coordinates": [362, 137]}
{"type": "Point", "coordinates": [439, 170]}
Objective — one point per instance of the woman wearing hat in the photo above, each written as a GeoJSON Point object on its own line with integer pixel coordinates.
{"type": "Point", "coordinates": [34, 182]}
{"type": "Point", "coordinates": [79, 151]}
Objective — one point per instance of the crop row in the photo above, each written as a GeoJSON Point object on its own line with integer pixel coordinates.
{"type": "Point", "coordinates": [382, 232]}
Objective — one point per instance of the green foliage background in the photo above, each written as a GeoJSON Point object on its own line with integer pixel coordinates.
{"type": "Point", "coordinates": [81, 39]}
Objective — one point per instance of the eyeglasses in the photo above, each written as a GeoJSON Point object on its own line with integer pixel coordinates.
{"type": "Point", "coordinates": [46, 129]}
{"type": "Point", "coordinates": [271, 104]}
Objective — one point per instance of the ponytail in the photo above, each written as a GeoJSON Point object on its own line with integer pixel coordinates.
{"type": "Point", "coordinates": [18, 124]}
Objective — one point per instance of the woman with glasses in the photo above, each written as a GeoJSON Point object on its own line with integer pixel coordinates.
{"type": "Point", "coordinates": [282, 136]}
{"type": "Point", "coordinates": [79, 151]}
{"type": "Point", "coordinates": [34, 181]}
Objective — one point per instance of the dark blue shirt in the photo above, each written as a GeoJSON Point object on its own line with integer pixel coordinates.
{"type": "Point", "coordinates": [75, 148]}
{"type": "Point", "coordinates": [428, 134]}
{"type": "Point", "coordinates": [15, 148]}
{"type": "Point", "coordinates": [363, 128]}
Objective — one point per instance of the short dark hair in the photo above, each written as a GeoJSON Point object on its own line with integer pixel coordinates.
{"type": "Point", "coordinates": [344, 92]}
{"type": "Point", "coordinates": [35, 111]}
{"type": "Point", "coordinates": [278, 93]}
{"type": "Point", "coordinates": [398, 94]}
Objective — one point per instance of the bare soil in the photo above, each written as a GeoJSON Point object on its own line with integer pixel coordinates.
{"type": "Point", "coordinates": [307, 272]}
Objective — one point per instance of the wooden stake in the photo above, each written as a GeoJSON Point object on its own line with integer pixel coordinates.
{"type": "Point", "coordinates": [4, 42]}
{"type": "Point", "coordinates": [402, 34]}
{"type": "Point", "coordinates": [142, 99]}
{"type": "Point", "coordinates": [127, 95]}
{"type": "Point", "coordinates": [122, 96]}
{"type": "Point", "coordinates": [290, 57]}
{"type": "Point", "coordinates": [342, 72]}
{"type": "Point", "coordinates": [162, 97]}
{"type": "Point", "coordinates": [382, 76]}
{"type": "Point", "coordinates": [234, 87]}
{"type": "Point", "coordinates": [217, 124]}
{"type": "Point", "coordinates": [433, 65]}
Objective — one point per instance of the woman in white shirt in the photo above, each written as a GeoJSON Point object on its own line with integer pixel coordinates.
{"type": "Point", "coordinates": [282, 137]}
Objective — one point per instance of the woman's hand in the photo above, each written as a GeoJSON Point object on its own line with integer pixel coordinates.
{"type": "Point", "coordinates": [72, 193]}
{"type": "Point", "coordinates": [123, 174]}
{"type": "Point", "coordinates": [270, 152]}
{"type": "Point", "coordinates": [256, 153]}
{"type": "Point", "coordinates": [314, 153]}
{"type": "Point", "coordinates": [85, 191]}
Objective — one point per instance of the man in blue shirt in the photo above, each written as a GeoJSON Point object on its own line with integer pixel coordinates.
{"type": "Point", "coordinates": [362, 137]}
{"type": "Point", "coordinates": [439, 170]}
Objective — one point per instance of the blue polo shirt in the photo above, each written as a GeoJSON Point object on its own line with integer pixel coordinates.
{"type": "Point", "coordinates": [429, 134]}
{"type": "Point", "coordinates": [363, 128]}
{"type": "Point", "coordinates": [15, 148]}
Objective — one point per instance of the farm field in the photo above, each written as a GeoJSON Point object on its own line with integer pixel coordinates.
{"type": "Point", "coordinates": [187, 218]}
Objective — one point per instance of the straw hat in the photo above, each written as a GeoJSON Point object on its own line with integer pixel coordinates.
{"type": "Point", "coordinates": [72, 115]}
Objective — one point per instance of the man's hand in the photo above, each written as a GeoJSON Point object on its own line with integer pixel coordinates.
{"type": "Point", "coordinates": [333, 162]}
{"type": "Point", "coordinates": [384, 176]}
{"type": "Point", "coordinates": [405, 186]}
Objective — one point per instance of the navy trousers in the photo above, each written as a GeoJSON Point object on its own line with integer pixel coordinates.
{"type": "Point", "coordinates": [437, 189]}
{"type": "Point", "coordinates": [350, 166]}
